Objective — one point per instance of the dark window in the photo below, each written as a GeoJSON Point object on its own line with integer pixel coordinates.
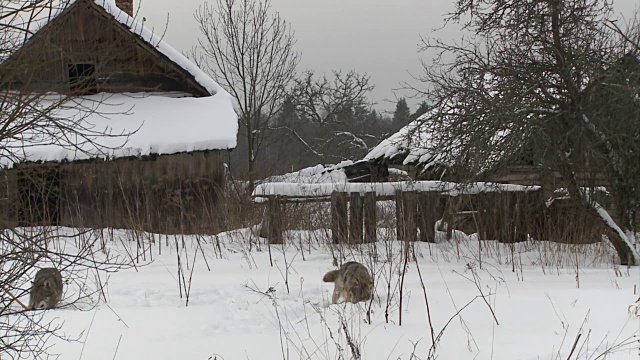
{"type": "Point", "coordinates": [82, 78]}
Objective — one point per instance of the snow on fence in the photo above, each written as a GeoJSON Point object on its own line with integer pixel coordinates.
{"type": "Point", "coordinates": [302, 191]}
{"type": "Point", "coordinates": [498, 208]}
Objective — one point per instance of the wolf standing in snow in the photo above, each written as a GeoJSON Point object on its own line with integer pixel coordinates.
{"type": "Point", "coordinates": [352, 282]}
{"type": "Point", "coordinates": [46, 291]}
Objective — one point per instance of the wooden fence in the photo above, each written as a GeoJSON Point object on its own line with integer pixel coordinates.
{"type": "Point", "coordinates": [506, 216]}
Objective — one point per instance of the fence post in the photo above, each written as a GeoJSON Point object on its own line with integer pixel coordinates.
{"type": "Point", "coordinates": [427, 215]}
{"type": "Point", "coordinates": [274, 219]}
{"type": "Point", "coordinates": [410, 205]}
{"type": "Point", "coordinates": [370, 217]}
{"type": "Point", "coordinates": [486, 216]}
{"type": "Point", "coordinates": [355, 221]}
{"type": "Point", "coordinates": [339, 217]}
{"type": "Point", "coordinates": [399, 215]}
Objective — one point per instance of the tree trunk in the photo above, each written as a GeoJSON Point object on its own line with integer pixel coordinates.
{"type": "Point", "coordinates": [250, 158]}
{"type": "Point", "coordinates": [618, 240]}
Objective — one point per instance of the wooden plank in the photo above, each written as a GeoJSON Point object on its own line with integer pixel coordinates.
{"type": "Point", "coordinates": [410, 207]}
{"type": "Point", "coordinates": [399, 215]}
{"type": "Point", "coordinates": [339, 217]}
{"type": "Point", "coordinates": [427, 215]}
{"type": "Point", "coordinates": [370, 217]}
{"type": "Point", "coordinates": [274, 222]}
{"type": "Point", "coordinates": [533, 214]}
{"type": "Point", "coordinates": [355, 219]}
{"type": "Point", "coordinates": [503, 217]}
{"type": "Point", "coordinates": [485, 216]}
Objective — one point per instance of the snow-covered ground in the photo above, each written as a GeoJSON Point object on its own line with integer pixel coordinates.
{"type": "Point", "coordinates": [242, 307]}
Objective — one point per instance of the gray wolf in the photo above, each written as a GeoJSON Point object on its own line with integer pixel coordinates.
{"type": "Point", "coordinates": [352, 282]}
{"type": "Point", "coordinates": [46, 290]}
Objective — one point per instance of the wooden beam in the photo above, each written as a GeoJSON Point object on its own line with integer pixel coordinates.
{"type": "Point", "coordinates": [355, 221]}
{"type": "Point", "coordinates": [399, 215]}
{"type": "Point", "coordinates": [274, 220]}
{"type": "Point", "coordinates": [427, 215]}
{"type": "Point", "coordinates": [410, 207]}
{"type": "Point", "coordinates": [370, 217]}
{"type": "Point", "coordinates": [339, 217]}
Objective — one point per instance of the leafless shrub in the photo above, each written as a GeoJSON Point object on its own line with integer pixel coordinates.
{"type": "Point", "coordinates": [22, 252]}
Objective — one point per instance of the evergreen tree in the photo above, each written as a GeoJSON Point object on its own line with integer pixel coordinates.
{"type": "Point", "coordinates": [422, 109]}
{"type": "Point", "coordinates": [287, 115]}
{"type": "Point", "coordinates": [402, 115]}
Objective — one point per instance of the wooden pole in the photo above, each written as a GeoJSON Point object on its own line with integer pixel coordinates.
{"type": "Point", "coordinates": [274, 222]}
{"type": "Point", "coordinates": [486, 216]}
{"type": "Point", "coordinates": [399, 215]}
{"type": "Point", "coordinates": [370, 217]}
{"type": "Point", "coordinates": [339, 217]}
{"type": "Point", "coordinates": [410, 207]}
{"type": "Point", "coordinates": [427, 215]}
{"type": "Point", "coordinates": [355, 221]}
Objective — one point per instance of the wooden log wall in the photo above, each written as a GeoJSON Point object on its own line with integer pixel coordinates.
{"type": "Point", "coordinates": [179, 193]}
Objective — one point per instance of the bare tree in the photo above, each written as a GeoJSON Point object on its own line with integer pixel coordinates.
{"type": "Point", "coordinates": [525, 84]}
{"type": "Point", "coordinates": [334, 106]}
{"type": "Point", "coordinates": [250, 51]}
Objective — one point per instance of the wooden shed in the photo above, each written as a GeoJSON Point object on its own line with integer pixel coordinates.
{"type": "Point", "coordinates": [162, 167]}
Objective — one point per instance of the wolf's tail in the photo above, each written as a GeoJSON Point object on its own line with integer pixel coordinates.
{"type": "Point", "coordinates": [330, 276]}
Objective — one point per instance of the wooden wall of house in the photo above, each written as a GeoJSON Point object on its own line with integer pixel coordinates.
{"type": "Point", "coordinates": [82, 35]}
{"type": "Point", "coordinates": [179, 193]}
{"type": "Point", "coordinates": [534, 175]}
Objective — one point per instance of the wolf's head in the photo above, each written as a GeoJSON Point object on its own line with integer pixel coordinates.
{"type": "Point", "coordinates": [362, 289]}
{"type": "Point", "coordinates": [46, 289]}
{"type": "Point", "coordinates": [44, 296]}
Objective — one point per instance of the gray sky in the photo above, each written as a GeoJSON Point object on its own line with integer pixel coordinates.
{"type": "Point", "coordinates": [379, 37]}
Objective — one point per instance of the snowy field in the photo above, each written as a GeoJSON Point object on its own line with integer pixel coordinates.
{"type": "Point", "coordinates": [526, 301]}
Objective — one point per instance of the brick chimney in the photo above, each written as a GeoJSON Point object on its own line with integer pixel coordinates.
{"type": "Point", "coordinates": [126, 6]}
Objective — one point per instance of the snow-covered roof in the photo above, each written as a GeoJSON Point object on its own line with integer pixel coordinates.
{"type": "Point", "coordinates": [166, 123]}
{"type": "Point", "coordinates": [319, 174]}
{"type": "Point", "coordinates": [415, 143]}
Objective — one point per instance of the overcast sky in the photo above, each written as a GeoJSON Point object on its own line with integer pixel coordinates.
{"type": "Point", "coordinates": [379, 37]}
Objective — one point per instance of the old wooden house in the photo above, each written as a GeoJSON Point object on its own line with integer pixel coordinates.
{"type": "Point", "coordinates": [151, 130]}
